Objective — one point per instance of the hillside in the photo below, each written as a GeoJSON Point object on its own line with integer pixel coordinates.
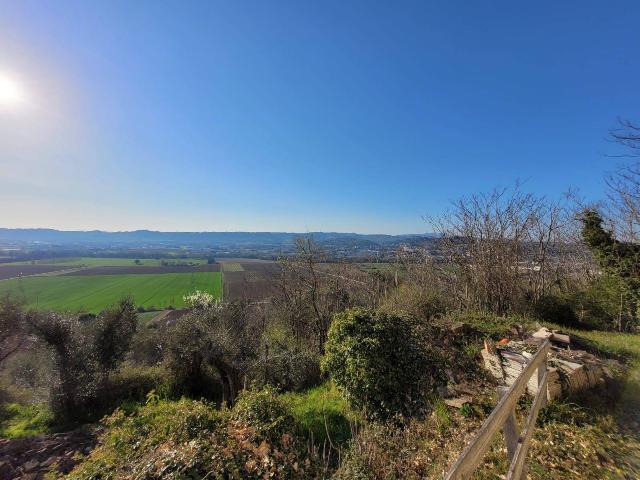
{"type": "Point", "coordinates": [148, 238]}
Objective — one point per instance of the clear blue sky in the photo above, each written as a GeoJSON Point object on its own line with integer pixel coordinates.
{"type": "Point", "coordinates": [303, 116]}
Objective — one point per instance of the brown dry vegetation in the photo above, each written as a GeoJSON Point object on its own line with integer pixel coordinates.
{"type": "Point", "coordinates": [13, 271]}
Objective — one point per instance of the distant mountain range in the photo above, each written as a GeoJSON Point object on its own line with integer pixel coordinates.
{"type": "Point", "coordinates": [199, 239]}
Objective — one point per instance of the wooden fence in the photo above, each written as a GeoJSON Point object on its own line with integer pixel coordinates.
{"type": "Point", "coordinates": [503, 418]}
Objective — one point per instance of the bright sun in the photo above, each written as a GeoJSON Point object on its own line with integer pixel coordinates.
{"type": "Point", "coordinates": [11, 92]}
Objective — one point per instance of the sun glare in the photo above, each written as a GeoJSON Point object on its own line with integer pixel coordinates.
{"type": "Point", "coordinates": [11, 92]}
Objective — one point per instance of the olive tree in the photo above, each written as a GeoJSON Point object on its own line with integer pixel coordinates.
{"type": "Point", "coordinates": [83, 354]}
{"type": "Point", "coordinates": [225, 338]}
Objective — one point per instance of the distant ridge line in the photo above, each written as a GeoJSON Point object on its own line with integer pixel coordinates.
{"type": "Point", "coordinates": [53, 236]}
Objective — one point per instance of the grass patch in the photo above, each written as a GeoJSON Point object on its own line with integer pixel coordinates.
{"type": "Point", "coordinates": [24, 420]}
{"type": "Point", "coordinates": [624, 345]}
{"type": "Point", "coordinates": [95, 292]}
{"type": "Point", "coordinates": [323, 414]}
{"type": "Point", "coordinates": [491, 325]}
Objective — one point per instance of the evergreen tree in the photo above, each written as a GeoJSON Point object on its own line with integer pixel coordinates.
{"type": "Point", "coordinates": [620, 260]}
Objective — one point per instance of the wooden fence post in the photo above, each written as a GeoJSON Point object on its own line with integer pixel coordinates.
{"type": "Point", "coordinates": [510, 427]}
{"type": "Point", "coordinates": [542, 370]}
{"type": "Point", "coordinates": [503, 418]}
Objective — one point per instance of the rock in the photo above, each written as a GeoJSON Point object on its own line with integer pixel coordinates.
{"type": "Point", "coordinates": [48, 462]}
{"type": "Point", "coordinates": [458, 402]}
{"type": "Point", "coordinates": [493, 363]}
{"type": "Point", "coordinates": [560, 337]}
{"type": "Point", "coordinates": [6, 470]}
{"type": "Point", "coordinates": [31, 465]}
{"type": "Point", "coordinates": [33, 457]}
{"type": "Point", "coordinates": [445, 391]}
{"type": "Point", "coordinates": [543, 332]}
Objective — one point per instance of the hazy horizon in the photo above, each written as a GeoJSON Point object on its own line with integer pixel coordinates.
{"type": "Point", "coordinates": [218, 231]}
{"type": "Point", "coordinates": [345, 117]}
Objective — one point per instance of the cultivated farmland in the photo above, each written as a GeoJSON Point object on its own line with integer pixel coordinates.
{"type": "Point", "coordinates": [255, 280]}
{"type": "Point", "coordinates": [112, 262]}
{"type": "Point", "coordinates": [12, 271]}
{"type": "Point", "coordinates": [92, 293]}
{"type": "Point", "coordinates": [136, 270]}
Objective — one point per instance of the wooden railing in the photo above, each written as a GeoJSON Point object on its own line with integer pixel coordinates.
{"type": "Point", "coordinates": [503, 418]}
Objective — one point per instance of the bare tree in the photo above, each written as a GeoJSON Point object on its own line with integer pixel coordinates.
{"type": "Point", "coordinates": [624, 183]}
{"type": "Point", "coordinates": [311, 291]}
{"type": "Point", "coordinates": [502, 248]}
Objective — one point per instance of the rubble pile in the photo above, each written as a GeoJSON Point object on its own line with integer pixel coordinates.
{"type": "Point", "coordinates": [569, 369]}
{"type": "Point", "coordinates": [32, 457]}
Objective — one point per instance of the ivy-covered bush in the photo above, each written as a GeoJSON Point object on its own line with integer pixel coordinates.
{"type": "Point", "coordinates": [378, 363]}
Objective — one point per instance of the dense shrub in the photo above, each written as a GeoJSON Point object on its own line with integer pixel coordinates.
{"type": "Point", "coordinates": [556, 308]}
{"type": "Point", "coordinates": [619, 260]}
{"type": "Point", "coordinates": [219, 343]}
{"type": "Point", "coordinates": [286, 363]}
{"type": "Point", "coordinates": [265, 411]}
{"type": "Point", "coordinates": [113, 330]}
{"type": "Point", "coordinates": [146, 346]}
{"type": "Point", "coordinates": [420, 448]}
{"type": "Point", "coordinates": [191, 439]}
{"type": "Point", "coordinates": [185, 347]}
{"type": "Point", "coordinates": [83, 356]}
{"type": "Point", "coordinates": [377, 361]}
{"type": "Point", "coordinates": [597, 306]}
{"type": "Point", "coordinates": [74, 384]}
{"type": "Point", "coordinates": [133, 383]}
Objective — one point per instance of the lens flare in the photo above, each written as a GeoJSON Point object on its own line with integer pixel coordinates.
{"type": "Point", "coordinates": [11, 92]}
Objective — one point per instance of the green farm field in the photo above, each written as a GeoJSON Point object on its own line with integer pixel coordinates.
{"type": "Point", "coordinates": [108, 262]}
{"type": "Point", "coordinates": [92, 293]}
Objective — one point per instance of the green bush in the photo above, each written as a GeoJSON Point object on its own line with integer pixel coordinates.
{"type": "Point", "coordinates": [377, 361]}
{"type": "Point", "coordinates": [285, 363]}
{"type": "Point", "coordinates": [83, 355]}
{"type": "Point", "coordinates": [132, 383]}
{"type": "Point", "coordinates": [595, 307]}
{"type": "Point", "coordinates": [191, 439]}
{"type": "Point", "coordinates": [265, 411]}
{"type": "Point", "coordinates": [556, 308]}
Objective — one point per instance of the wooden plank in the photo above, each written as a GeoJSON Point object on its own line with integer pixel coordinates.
{"type": "Point", "coordinates": [472, 455]}
{"type": "Point", "coordinates": [517, 467]}
{"type": "Point", "coordinates": [515, 357]}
